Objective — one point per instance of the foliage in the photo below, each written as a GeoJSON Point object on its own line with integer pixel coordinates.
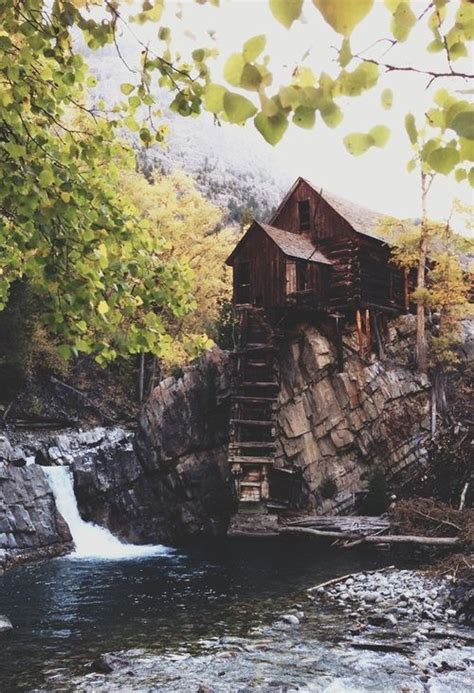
{"type": "Point", "coordinates": [96, 268]}
{"type": "Point", "coordinates": [448, 281]}
{"type": "Point", "coordinates": [377, 499]}
{"type": "Point", "coordinates": [175, 210]}
{"type": "Point", "coordinates": [328, 487]}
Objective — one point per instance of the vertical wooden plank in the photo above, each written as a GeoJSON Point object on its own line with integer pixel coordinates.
{"type": "Point", "coordinates": [368, 333]}
{"type": "Point", "coordinates": [360, 335]}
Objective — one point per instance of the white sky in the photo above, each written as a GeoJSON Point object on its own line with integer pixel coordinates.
{"type": "Point", "coordinates": [377, 179]}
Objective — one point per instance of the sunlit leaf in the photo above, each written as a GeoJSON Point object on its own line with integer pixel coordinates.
{"type": "Point", "coordinates": [443, 159]}
{"type": "Point", "coordinates": [344, 15]}
{"type": "Point", "coordinates": [272, 128]}
{"type": "Point", "coordinates": [253, 47]}
{"type": "Point", "coordinates": [286, 11]}
{"type": "Point", "coordinates": [238, 108]}
{"type": "Point", "coordinates": [387, 99]}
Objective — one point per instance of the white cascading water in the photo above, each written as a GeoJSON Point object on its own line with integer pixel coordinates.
{"type": "Point", "coordinates": [90, 540]}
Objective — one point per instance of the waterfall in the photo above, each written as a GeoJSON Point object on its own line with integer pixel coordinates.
{"type": "Point", "coordinates": [90, 540]}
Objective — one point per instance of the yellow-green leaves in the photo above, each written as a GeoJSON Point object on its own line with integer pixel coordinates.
{"type": "Point", "coordinates": [46, 177]}
{"type": "Point", "coordinates": [272, 128]}
{"type": "Point", "coordinates": [126, 88]}
{"type": "Point", "coordinates": [102, 308]}
{"type": "Point", "coordinates": [238, 108]}
{"type": "Point", "coordinates": [403, 18]}
{"type": "Point", "coordinates": [463, 124]}
{"type": "Point", "coordinates": [443, 159]}
{"type": "Point", "coordinates": [253, 47]}
{"type": "Point", "coordinates": [214, 98]}
{"type": "Point", "coordinates": [286, 11]}
{"type": "Point", "coordinates": [358, 143]}
{"type": "Point", "coordinates": [233, 69]}
{"type": "Point", "coordinates": [344, 15]}
{"type": "Point", "coordinates": [387, 99]}
{"type": "Point", "coordinates": [410, 128]}
{"type": "Point", "coordinates": [304, 117]}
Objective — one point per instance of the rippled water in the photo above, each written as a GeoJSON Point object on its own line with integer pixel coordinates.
{"type": "Point", "coordinates": [65, 612]}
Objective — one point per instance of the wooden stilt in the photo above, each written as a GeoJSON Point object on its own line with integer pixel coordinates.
{"type": "Point", "coordinates": [368, 333]}
{"type": "Point", "coordinates": [360, 335]}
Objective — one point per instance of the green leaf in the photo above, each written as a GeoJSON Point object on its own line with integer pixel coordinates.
{"type": "Point", "coordinates": [345, 53]}
{"type": "Point", "coordinates": [460, 174]}
{"type": "Point", "coordinates": [357, 143]}
{"type": "Point", "coordinates": [380, 135]}
{"type": "Point", "coordinates": [404, 19]}
{"type": "Point", "coordinates": [272, 128]}
{"type": "Point", "coordinates": [233, 69]}
{"type": "Point", "coordinates": [411, 165]}
{"type": "Point", "coordinates": [410, 127]}
{"type": "Point", "coordinates": [214, 98]}
{"type": "Point", "coordinates": [435, 46]}
{"type": "Point", "coordinates": [458, 50]}
{"type": "Point", "coordinates": [64, 351]}
{"type": "Point", "coordinates": [332, 115]}
{"type": "Point", "coordinates": [253, 47]}
{"type": "Point", "coordinates": [387, 99]}
{"type": "Point", "coordinates": [304, 117]}
{"type": "Point", "coordinates": [237, 108]}
{"type": "Point", "coordinates": [286, 11]}
{"type": "Point", "coordinates": [443, 159]}
{"type": "Point", "coordinates": [198, 55]}
{"type": "Point", "coordinates": [126, 88]}
{"type": "Point", "coordinates": [466, 148]}
{"type": "Point", "coordinates": [463, 124]}
{"type": "Point", "coordinates": [102, 308]}
{"type": "Point", "coordinates": [344, 15]}
{"type": "Point", "coordinates": [251, 78]}
{"type": "Point", "coordinates": [471, 177]}
{"type": "Point", "coordinates": [46, 177]}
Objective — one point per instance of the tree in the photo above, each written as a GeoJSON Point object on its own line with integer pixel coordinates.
{"type": "Point", "coordinates": [63, 223]}
{"type": "Point", "coordinates": [176, 211]}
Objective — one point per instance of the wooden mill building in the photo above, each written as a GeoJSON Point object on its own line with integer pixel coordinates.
{"type": "Point", "coordinates": [320, 258]}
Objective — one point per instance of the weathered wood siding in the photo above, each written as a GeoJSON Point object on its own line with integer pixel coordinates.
{"type": "Point", "coordinates": [267, 270]}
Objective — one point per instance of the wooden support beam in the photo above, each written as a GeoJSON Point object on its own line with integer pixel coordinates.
{"type": "Point", "coordinates": [360, 335]}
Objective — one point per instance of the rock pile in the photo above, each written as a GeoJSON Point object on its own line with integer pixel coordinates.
{"type": "Point", "coordinates": [385, 598]}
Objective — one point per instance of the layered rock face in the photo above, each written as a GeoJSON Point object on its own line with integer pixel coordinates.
{"type": "Point", "coordinates": [173, 483]}
{"type": "Point", "coordinates": [30, 526]}
{"type": "Point", "coordinates": [339, 428]}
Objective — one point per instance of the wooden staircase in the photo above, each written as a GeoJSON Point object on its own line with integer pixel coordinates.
{"type": "Point", "coordinates": [254, 395]}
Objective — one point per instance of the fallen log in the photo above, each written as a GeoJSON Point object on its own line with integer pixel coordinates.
{"type": "Point", "coordinates": [374, 539]}
{"type": "Point", "coordinates": [335, 580]}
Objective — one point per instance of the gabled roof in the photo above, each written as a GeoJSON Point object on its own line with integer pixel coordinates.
{"type": "Point", "coordinates": [363, 220]}
{"type": "Point", "coordinates": [294, 245]}
{"type": "Point", "coordinates": [291, 244]}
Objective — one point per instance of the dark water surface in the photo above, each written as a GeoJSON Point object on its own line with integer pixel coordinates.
{"type": "Point", "coordinates": [65, 612]}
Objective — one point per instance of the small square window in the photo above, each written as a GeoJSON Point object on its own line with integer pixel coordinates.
{"type": "Point", "coordinates": [303, 215]}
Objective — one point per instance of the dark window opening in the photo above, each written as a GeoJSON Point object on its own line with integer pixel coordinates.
{"type": "Point", "coordinates": [301, 276]}
{"type": "Point", "coordinates": [303, 215]}
{"type": "Point", "coordinates": [242, 282]}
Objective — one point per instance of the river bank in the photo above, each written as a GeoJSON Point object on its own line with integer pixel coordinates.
{"type": "Point", "coordinates": [209, 618]}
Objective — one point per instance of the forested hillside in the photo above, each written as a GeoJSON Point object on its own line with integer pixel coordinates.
{"type": "Point", "coordinates": [232, 167]}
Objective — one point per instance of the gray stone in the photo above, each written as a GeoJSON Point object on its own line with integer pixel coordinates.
{"type": "Point", "coordinates": [291, 619]}
{"type": "Point", "coordinates": [5, 625]}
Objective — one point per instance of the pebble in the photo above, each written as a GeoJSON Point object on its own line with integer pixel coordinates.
{"type": "Point", "coordinates": [5, 625]}
{"type": "Point", "coordinates": [291, 619]}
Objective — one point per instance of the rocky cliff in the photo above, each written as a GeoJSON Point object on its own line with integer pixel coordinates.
{"type": "Point", "coordinates": [342, 429]}
{"type": "Point", "coordinates": [173, 483]}
{"type": "Point", "coordinates": [170, 480]}
{"type": "Point", "coordinates": [30, 526]}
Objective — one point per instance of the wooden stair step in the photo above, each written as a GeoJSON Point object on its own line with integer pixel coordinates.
{"type": "Point", "coordinates": [249, 444]}
{"type": "Point", "coordinates": [251, 422]}
{"type": "Point", "coordinates": [250, 460]}
{"type": "Point", "coordinates": [255, 484]}
{"type": "Point", "coordinates": [258, 383]}
{"type": "Point", "coordinates": [254, 400]}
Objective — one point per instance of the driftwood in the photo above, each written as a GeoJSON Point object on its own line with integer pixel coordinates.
{"type": "Point", "coordinates": [374, 539]}
{"type": "Point", "coordinates": [335, 580]}
{"type": "Point", "coordinates": [381, 646]}
{"type": "Point", "coordinates": [463, 496]}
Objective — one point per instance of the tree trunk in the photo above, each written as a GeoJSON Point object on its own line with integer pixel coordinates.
{"type": "Point", "coordinates": [141, 378]}
{"type": "Point", "coordinates": [421, 357]}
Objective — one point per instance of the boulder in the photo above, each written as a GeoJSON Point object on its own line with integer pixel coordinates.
{"type": "Point", "coordinates": [5, 625]}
